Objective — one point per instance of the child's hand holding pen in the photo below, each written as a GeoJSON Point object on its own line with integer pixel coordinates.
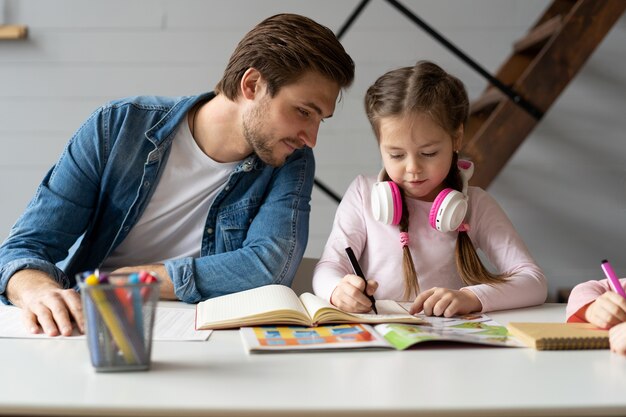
{"type": "Point", "coordinates": [364, 286]}
{"type": "Point", "coordinates": [607, 310]}
{"type": "Point", "coordinates": [350, 294]}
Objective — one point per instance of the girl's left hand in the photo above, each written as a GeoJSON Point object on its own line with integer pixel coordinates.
{"type": "Point", "coordinates": [446, 302]}
{"type": "Point", "coordinates": [617, 338]}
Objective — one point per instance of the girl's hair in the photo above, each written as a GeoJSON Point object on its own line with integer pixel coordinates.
{"type": "Point", "coordinates": [427, 89]}
{"type": "Point", "coordinates": [283, 48]}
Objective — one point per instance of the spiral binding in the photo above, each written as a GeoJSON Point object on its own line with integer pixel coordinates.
{"type": "Point", "coordinates": [568, 343]}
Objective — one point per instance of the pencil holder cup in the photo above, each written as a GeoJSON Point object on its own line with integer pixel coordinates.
{"type": "Point", "coordinates": [119, 311]}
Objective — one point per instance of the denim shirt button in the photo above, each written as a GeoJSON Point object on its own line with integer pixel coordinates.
{"type": "Point", "coordinates": [146, 184]}
{"type": "Point", "coordinates": [227, 187]}
{"type": "Point", "coordinates": [209, 230]}
{"type": "Point", "coordinates": [247, 166]}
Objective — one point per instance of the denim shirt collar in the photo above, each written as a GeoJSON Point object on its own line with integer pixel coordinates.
{"type": "Point", "coordinates": [164, 127]}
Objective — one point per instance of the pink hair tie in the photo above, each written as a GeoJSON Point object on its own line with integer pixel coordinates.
{"type": "Point", "coordinates": [404, 238]}
{"type": "Point", "coordinates": [464, 227]}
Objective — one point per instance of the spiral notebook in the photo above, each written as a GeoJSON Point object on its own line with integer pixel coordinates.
{"type": "Point", "coordinates": [560, 336]}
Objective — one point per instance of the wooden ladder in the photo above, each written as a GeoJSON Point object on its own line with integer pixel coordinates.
{"type": "Point", "coordinates": [537, 71]}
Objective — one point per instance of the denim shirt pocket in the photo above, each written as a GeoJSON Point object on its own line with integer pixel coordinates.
{"type": "Point", "coordinates": [234, 222]}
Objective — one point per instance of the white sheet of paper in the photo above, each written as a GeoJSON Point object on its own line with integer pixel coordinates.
{"type": "Point", "coordinates": [171, 324]}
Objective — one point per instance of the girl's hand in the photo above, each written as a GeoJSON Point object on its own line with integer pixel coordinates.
{"type": "Point", "coordinates": [446, 302]}
{"type": "Point", "coordinates": [348, 294]}
{"type": "Point", "coordinates": [617, 337]}
{"type": "Point", "coordinates": [607, 310]}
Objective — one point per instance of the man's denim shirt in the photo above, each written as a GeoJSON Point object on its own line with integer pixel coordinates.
{"type": "Point", "coordinates": [255, 232]}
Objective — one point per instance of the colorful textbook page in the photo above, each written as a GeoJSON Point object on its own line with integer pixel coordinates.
{"type": "Point", "coordinates": [295, 338]}
{"type": "Point", "coordinates": [473, 329]}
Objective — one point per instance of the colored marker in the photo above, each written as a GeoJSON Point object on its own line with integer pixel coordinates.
{"type": "Point", "coordinates": [135, 296]}
{"type": "Point", "coordinates": [102, 277]}
{"type": "Point", "coordinates": [92, 334]}
{"type": "Point", "coordinates": [614, 283]}
{"type": "Point", "coordinates": [146, 278]}
{"type": "Point", "coordinates": [111, 320]}
{"type": "Point", "coordinates": [357, 271]}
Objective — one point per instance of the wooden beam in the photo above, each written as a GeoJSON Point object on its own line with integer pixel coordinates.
{"type": "Point", "coordinates": [499, 137]}
{"type": "Point", "coordinates": [13, 31]}
{"type": "Point", "coordinates": [537, 37]}
{"type": "Point", "coordinates": [540, 80]}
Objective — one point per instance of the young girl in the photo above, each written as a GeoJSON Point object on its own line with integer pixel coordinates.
{"type": "Point", "coordinates": [418, 114]}
{"type": "Point", "coordinates": [594, 302]}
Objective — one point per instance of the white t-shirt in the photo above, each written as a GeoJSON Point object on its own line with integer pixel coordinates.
{"type": "Point", "coordinates": [172, 225]}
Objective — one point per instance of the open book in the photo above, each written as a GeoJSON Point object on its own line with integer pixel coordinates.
{"type": "Point", "coordinates": [473, 329]}
{"type": "Point", "coordinates": [560, 336]}
{"type": "Point", "coordinates": [277, 304]}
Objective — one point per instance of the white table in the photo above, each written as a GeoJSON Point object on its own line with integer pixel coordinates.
{"type": "Point", "coordinates": [218, 378]}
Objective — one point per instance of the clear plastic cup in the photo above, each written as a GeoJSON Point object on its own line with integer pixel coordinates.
{"type": "Point", "coordinates": [119, 320]}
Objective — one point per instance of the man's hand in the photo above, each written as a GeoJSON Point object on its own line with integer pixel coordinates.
{"type": "Point", "coordinates": [45, 305]}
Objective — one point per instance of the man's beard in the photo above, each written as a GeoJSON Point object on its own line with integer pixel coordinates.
{"type": "Point", "coordinates": [259, 145]}
{"type": "Point", "coordinates": [252, 126]}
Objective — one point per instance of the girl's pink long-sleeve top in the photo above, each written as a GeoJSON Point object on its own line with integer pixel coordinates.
{"type": "Point", "coordinates": [583, 294]}
{"type": "Point", "coordinates": [378, 249]}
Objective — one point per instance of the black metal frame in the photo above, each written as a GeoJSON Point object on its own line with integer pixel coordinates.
{"type": "Point", "coordinates": [509, 92]}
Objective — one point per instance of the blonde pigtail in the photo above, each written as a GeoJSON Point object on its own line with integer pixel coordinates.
{"type": "Point", "coordinates": [411, 286]}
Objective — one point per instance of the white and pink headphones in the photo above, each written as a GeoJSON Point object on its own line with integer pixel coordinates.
{"type": "Point", "coordinates": [448, 209]}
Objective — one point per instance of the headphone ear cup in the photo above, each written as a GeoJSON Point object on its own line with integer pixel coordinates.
{"type": "Point", "coordinates": [448, 210]}
{"type": "Point", "coordinates": [386, 202]}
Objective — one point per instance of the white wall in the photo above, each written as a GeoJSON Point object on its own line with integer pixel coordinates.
{"type": "Point", "coordinates": [564, 189]}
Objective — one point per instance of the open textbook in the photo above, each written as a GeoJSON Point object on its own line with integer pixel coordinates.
{"type": "Point", "coordinates": [474, 329]}
{"type": "Point", "coordinates": [278, 304]}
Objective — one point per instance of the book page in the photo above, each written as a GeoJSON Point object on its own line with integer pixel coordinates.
{"type": "Point", "coordinates": [177, 324]}
{"type": "Point", "coordinates": [389, 311]}
{"type": "Point", "coordinates": [293, 339]}
{"type": "Point", "coordinates": [269, 304]}
{"type": "Point", "coordinates": [471, 328]}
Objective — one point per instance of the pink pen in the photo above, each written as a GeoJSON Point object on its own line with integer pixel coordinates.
{"type": "Point", "coordinates": [614, 283]}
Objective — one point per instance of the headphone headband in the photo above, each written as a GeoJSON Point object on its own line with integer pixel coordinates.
{"type": "Point", "coordinates": [466, 168]}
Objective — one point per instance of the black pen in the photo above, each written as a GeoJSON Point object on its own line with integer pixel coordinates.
{"type": "Point", "coordinates": [357, 271]}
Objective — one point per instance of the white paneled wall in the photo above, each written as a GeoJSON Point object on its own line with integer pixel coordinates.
{"type": "Point", "coordinates": [565, 189]}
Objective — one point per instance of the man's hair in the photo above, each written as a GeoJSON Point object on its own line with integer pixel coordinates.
{"type": "Point", "coordinates": [283, 48]}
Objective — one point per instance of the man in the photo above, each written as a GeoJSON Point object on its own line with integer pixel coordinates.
{"type": "Point", "coordinates": [211, 192]}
